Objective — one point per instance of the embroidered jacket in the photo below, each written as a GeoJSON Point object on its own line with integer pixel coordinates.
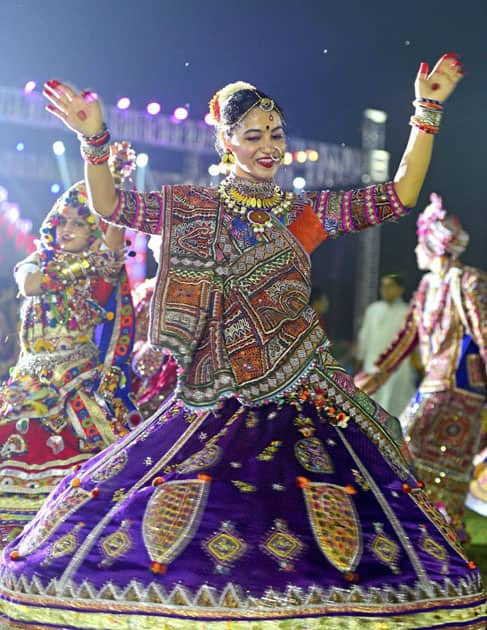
{"type": "Point", "coordinates": [454, 352]}
{"type": "Point", "coordinates": [234, 310]}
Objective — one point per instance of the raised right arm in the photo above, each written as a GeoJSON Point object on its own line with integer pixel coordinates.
{"type": "Point", "coordinates": [101, 189]}
{"type": "Point", "coordinates": [82, 113]}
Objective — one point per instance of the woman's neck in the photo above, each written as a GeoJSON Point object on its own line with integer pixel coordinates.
{"type": "Point", "coordinates": [251, 187]}
{"type": "Point", "coordinates": [441, 265]}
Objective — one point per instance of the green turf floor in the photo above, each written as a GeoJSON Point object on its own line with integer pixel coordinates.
{"type": "Point", "coordinates": [477, 549]}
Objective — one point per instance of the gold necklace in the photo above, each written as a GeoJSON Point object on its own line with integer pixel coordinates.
{"type": "Point", "coordinates": [255, 209]}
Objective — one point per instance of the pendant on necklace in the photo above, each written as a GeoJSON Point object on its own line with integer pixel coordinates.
{"type": "Point", "coordinates": [260, 220]}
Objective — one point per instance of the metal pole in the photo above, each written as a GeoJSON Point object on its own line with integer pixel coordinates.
{"type": "Point", "coordinates": [376, 170]}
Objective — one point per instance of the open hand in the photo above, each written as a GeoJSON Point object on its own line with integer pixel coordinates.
{"type": "Point", "coordinates": [80, 111]}
{"type": "Point", "coordinates": [441, 81]}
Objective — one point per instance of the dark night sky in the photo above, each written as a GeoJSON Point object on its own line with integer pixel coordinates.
{"type": "Point", "coordinates": [141, 48]}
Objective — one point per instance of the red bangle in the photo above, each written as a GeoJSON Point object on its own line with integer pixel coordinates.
{"type": "Point", "coordinates": [414, 122]}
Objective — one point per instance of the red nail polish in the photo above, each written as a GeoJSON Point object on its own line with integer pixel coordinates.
{"type": "Point", "coordinates": [451, 55]}
{"type": "Point", "coordinates": [50, 107]}
{"type": "Point", "coordinates": [423, 68]}
{"type": "Point", "coordinates": [53, 83]}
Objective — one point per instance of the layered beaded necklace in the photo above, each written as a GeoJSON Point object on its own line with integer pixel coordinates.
{"type": "Point", "coordinates": [255, 201]}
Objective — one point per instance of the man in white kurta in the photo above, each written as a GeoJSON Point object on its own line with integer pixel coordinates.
{"type": "Point", "coordinates": [382, 320]}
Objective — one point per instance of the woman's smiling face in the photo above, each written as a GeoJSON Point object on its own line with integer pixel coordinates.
{"type": "Point", "coordinates": [73, 231]}
{"type": "Point", "coordinates": [256, 142]}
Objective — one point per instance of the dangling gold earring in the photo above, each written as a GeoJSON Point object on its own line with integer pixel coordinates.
{"type": "Point", "coordinates": [228, 158]}
{"type": "Point", "coordinates": [226, 161]}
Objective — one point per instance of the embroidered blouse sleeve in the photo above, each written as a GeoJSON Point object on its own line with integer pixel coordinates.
{"type": "Point", "coordinates": [318, 215]}
{"type": "Point", "coordinates": [474, 291]}
{"type": "Point", "coordinates": [403, 344]}
{"type": "Point", "coordinates": [143, 212]}
{"type": "Point", "coordinates": [355, 210]}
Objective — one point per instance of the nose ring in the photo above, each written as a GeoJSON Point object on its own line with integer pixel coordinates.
{"type": "Point", "coordinates": [277, 154]}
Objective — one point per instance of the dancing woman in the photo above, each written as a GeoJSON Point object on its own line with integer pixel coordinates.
{"type": "Point", "coordinates": [68, 395]}
{"type": "Point", "coordinates": [268, 492]}
{"type": "Point", "coordinates": [447, 320]}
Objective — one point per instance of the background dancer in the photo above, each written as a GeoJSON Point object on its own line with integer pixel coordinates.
{"type": "Point", "coordinates": [447, 319]}
{"type": "Point", "coordinates": [68, 395]}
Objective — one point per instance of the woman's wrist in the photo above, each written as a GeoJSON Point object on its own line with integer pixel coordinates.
{"type": "Point", "coordinates": [95, 149]}
{"type": "Point", "coordinates": [427, 115]}
{"type": "Point", "coordinates": [56, 277]}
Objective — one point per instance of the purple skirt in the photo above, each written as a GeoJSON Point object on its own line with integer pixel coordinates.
{"type": "Point", "coordinates": [298, 514]}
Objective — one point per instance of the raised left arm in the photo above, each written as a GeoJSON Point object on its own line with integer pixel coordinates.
{"type": "Point", "coordinates": [432, 89]}
{"type": "Point", "coordinates": [324, 214]}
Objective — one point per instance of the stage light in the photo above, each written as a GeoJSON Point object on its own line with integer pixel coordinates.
{"type": "Point", "coordinates": [153, 108]}
{"type": "Point", "coordinates": [11, 211]}
{"type": "Point", "coordinates": [376, 115]}
{"type": "Point", "coordinates": [288, 158]}
{"type": "Point", "coordinates": [142, 160]}
{"type": "Point", "coordinates": [123, 103]}
{"type": "Point", "coordinates": [209, 120]}
{"type": "Point", "coordinates": [20, 146]}
{"type": "Point", "coordinates": [55, 189]}
{"type": "Point", "coordinates": [180, 113]}
{"type": "Point", "coordinates": [58, 148]}
{"type": "Point", "coordinates": [29, 87]}
{"type": "Point", "coordinates": [24, 225]}
{"type": "Point", "coordinates": [214, 170]}
{"type": "Point", "coordinates": [300, 156]}
{"type": "Point", "coordinates": [313, 156]}
{"type": "Point", "coordinates": [299, 183]}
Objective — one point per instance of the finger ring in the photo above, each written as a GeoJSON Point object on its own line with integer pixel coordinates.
{"type": "Point", "coordinates": [81, 114]}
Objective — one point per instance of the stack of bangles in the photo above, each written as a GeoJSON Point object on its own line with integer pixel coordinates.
{"type": "Point", "coordinates": [56, 277]}
{"type": "Point", "coordinates": [427, 115]}
{"type": "Point", "coordinates": [95, 149]}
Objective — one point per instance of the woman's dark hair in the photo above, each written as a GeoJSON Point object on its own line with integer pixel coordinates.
{"type": "Point", "coordinates": [235, 108]}
{"type": "Point", "coordinates": [240, 103]}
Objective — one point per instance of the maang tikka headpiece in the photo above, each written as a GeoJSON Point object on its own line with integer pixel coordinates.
{"type": "Point", "coordinates": [216, 104]}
